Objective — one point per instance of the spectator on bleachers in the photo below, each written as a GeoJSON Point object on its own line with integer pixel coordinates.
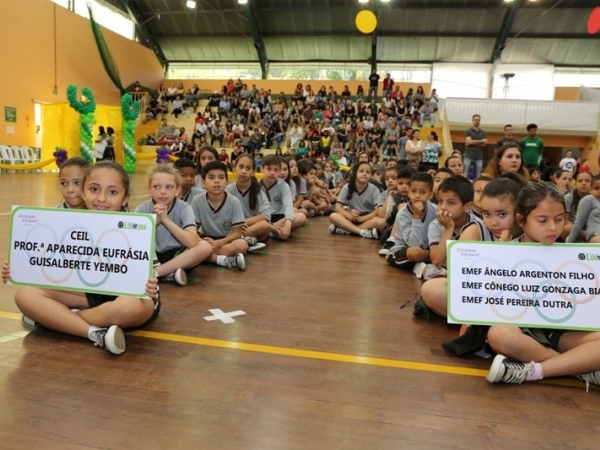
{"type": "Point", "coordinates": [191, 100]}
{"type": "Point", "coordinates": [508, 137]}
{"type": "Point", "coordinates": [165, 132]}
{"type": "Point", "coordinates": [373, 83]}
{"type": "Point", "coordinates": [427, 114]}
{"type": "Point", "coordinates": [217, 133]}
{"type": "Point", "coordinates": [177, 107]}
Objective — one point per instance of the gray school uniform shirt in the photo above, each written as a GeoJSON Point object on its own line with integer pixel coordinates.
{"type": "Point", "coordinates": [191, 194]}
{"type": "Point", "coordinates": [180, 213]}
{"type": "Point", "coordinates": [588, 214]}
{"type": "Point", "coordinates": [281, 199]}
{"type": "Point", "coordinates": [436, 230]}
{"type": "Point", "coordinates": [219, 222]}
{"type": "Point", "coordinates": [411, 232]}
{"type": "Point", "coordinates": [364, 201]}
{"type": "Point", "coordinates": [263, 206]}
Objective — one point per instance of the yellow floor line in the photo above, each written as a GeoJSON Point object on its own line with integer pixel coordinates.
{"type": "Point", "coordinates": [339, 357]}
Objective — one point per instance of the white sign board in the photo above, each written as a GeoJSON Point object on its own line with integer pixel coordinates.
{"type": "Point", "coordinates": [98, 252]}
{"type": "Point", "coordinates": [528, 285]}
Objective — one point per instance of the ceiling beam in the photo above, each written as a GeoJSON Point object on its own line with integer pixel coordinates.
{"type": "Point", "coordinates": [144, 34]}
{"type": "Point", "coordinates": [504, 32]}
{"type": "Point", "coordinates": [414, 34]}
{"type": "Point", "coordinates": [257, 37]}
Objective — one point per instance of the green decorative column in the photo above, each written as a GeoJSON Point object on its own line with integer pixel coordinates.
{"type": "Point", "coordinates": [85, 107]}
{"type": "Point", "coordinates": [130, 112]}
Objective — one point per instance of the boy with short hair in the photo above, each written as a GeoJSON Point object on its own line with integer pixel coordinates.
{"type": "Point", "coordinates": [443, 173]}
{"type": "Point", "coordinates": [393, 203]}
{"type": "Point", "coordinates": [221, 217]}
{"type": "Point", "coordinates": [187, 172]}
{"type": "Point", "coordinates": [454, 214]}
{"type": "Point", "coordinates": [412, 222]}
{"type": "Point", "coordinates": [283, 217]}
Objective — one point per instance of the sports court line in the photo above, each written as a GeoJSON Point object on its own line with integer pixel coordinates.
{"type": "Point", "coordinates": [337, 357]}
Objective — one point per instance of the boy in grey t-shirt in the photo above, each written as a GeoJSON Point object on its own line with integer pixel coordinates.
{"type": "Point", "coordinates": [221, 217]}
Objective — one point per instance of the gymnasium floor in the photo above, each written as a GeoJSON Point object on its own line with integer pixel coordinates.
{"type": "Point", "coordinates": [323, 358]}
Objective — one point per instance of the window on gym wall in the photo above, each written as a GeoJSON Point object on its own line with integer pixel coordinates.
{"type": "Point", "coordinates": [572, 77]}
{"type": "Point", "coordinates": [106, 15]}
{"type": "Point", "coordinates": [213, 71]}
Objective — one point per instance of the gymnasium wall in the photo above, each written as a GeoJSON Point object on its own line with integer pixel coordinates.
{"type": "Point", "coordinates": [29, 69]}
{"type": "Point", "coordinates": [289, 86]}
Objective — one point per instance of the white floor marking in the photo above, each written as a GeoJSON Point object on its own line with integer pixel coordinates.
{"type": "Point", "coordinates": [13, 336]}
{"type": "Point", "coordinates": [224, 317]}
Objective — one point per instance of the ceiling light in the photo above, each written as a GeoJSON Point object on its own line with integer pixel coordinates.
{"type": "Point", "coordinates": [385, 1]}
{"type": "Point", "coordinates": [508, 1]}
{"type": "Point", "coordinates": [363, 1]}
{"type": "Point", "coordinates": [243, 2]}
{"type": "Point", "coordinates": [190, 4]}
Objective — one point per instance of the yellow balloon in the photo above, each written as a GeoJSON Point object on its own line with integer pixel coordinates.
{"type": "Point", "coordinates": [366, 21]}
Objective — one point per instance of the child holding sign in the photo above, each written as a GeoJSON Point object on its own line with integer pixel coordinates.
{"type": "Point", "coordinates": [178, 246]}
{"type": "Point", "coordinates": [100, 318]}
{"type": "Point", "coordinates": [70, 177]}
{"type": "Point", "coordinates": [540, 212]}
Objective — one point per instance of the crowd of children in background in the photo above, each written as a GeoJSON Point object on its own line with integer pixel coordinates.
{"type": "Point", "coordinates": [367, 169]}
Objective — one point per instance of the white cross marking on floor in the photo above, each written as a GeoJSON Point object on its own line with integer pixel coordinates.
{"type": "Point", "coordinates": [224, 317]}
{"type": "Point", "coordinates": [13, 336]}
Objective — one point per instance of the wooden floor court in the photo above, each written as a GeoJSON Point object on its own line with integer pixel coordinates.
{"type": "Point", "coordinates": [324, 358]}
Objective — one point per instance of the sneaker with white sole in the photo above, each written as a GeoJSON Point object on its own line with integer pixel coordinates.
{"type": "Point", "coordinates": [590, 378]}
{"type": "Point", "coordinates": [112, 339]}
{"type": "Point", "coordinates": [370, 234]}
{"type": "Point", "coordinates": [29, 323]}
{"type": "Point", "coordinates": [179, 277]}
{"type": "Point", "coordinates": [504, 370]}
{"type": "Point", "coordinates": [385, 249]}
{"type": "Point", "coordinates": [235, 262]}
{"type": "Point", "coordinates": [254, 244]}
{"type": "Point", "coordinates": [337, 230]}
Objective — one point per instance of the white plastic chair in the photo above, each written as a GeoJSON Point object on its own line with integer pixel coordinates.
{"type": "Point", "coordinates": [17, 154]}
{"type": "Point", "coordinates": [6, 156]}
{"type": "Point", "coordinates": [26, 155]}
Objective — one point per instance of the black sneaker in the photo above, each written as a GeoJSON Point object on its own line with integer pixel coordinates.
{"type": "Point", "coordinates": [385, 249]}
{"type": "Point", "coordinates": [112, 339]}
{"type": "Point", "coordinates": [337, 230]}
{"type": "Point", "coordinates": [504, 370]}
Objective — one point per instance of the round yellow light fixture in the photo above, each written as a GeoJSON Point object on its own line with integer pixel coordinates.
{"type": "Point", "coordinates": [366, 21]}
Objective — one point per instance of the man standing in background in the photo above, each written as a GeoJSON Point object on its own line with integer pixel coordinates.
{"type": "Point", "coordinates": [532, 147]}
{"type": "Point", "coordinates": [475, 141]}
{"type": "Point", "coordinates": [388, 84]}
{"type": "Point", "coordinates": [373, 83]}
{"type": "Point", "coordinates": [508, 137]}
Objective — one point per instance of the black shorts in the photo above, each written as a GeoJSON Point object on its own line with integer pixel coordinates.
{"type": "Point", "coordinates": [399, 260]}
{"type": "Point", "coordinates": [164, 257]}
{"type": "Point", "coordinates": [277, 217]}
{"type": "Point", "coordinates": [546, 336]}
{"type": "Point", "coordinates": [98, 299]}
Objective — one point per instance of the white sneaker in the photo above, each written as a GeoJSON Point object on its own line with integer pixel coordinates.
{"type": "Point", "coordinates": [29, 323]}
{"type": "Point", "coordinates": [112, 339]}
{"type": "Point", "coordinates": [253, 243]}
{"type": "Point", "coordinates": [179, 277]}
{"type": "Point", "coordinates": [370, 234]}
